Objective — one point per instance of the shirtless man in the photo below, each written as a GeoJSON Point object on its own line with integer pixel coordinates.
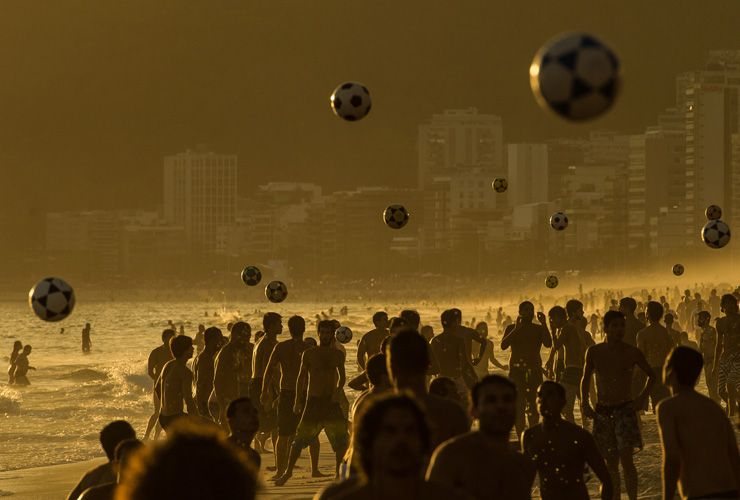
{"type": "Point", "coordinates": [525, 365]}
{"type": "Point", "coordinates": [481, 463]}
{"type": "Point", "coordinates": [263, 388]}
{"type": "Point", "coordinates": [157, 359]}
{"type": "Point", "coordinates": [699, 445]}
{"type": "Point", "coordinates": [449, 351]}
{"type": "Point", "coordinates": [568, 339]}
{"type": "Point", "coordinates": [232, 369]}
{"type": "Point", "coordinates": [320, 379]}
{"type": "Point", "coordinates": [616, 424]}
{"type": "Point", "coordinates": [468, 336]}
{"type": "Point", "coordinates": [561, 449]}
{"type": "Point", "coordinates": [176, 383]}
{"type": "Point", "coordinates": [486, 356]}
{"type": "Point", "coordinates": [708, 347]}
{"type": "Point", "coordinates": [203, 369]}
{"type": "Point", "coordinates": [727, 353]}
{"type": "Point", "coordinates": [628, 306]}
{"type": "Point", "coordinates": [22, 367]}
{"type": "Point", "coordinates": [655, 343]}
{"type": "Point", "coordinates": [370, 342]}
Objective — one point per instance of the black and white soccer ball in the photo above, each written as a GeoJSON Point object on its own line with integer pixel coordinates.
{"type": "Point", "coordinates": [551, 281]}
{"type": "Point", "coordinates": [500, 184]}
{"type": "Point", "coordinates": [716, 234]}
{"type": "Point", "coordinates": [52, 299]}
{"type": "Point", "coordinates": [251, 276]}
{"type": "Point", "coordinates": [343, 334]}
{"type": "Point", "coordinates": [396, 216]}
{"type": "Point", "coordinates": [678, 269]}
{"type": "Point", "coordinates": [559, 221]}
{"type": "Point", "coordinates": [351, 101]}
{"type": "Point", "coordinates": [713, 212]}
{"type": "Point", "coordinates": [575, 75]}
{"type": "Point", "coordinates": [276, 291]}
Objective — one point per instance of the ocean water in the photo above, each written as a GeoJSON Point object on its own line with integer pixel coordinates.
{"type": "Point", "coordinates": [73, 395]}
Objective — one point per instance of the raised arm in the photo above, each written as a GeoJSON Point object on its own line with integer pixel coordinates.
{"type": "Point", "coordinates": [342, 373]}
{"type": "Point", "coordinates": [301, 385]}
{"type": "Point", "coordinates": [546, 337]}
{"type": "Point", "coordinates": [510, 331]}
{"type": "Point", "coordinates": [671, 465]}
{"type": "Point", "coordinates": [556, 346]}
{"type": "Point", "coordinates": [361, 351]}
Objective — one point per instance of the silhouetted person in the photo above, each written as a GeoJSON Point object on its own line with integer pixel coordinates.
{"type": "Point", "coordinates": [244, 423]}
{"type": "Point", "coordinates": [486, 355]}
{"type": "Point", "coordinates": [449, 350]}
{"type": "Point", "coordinates": [264, 388]}
{"type": "Point", "coordinates": [370, 342]}
{"type": "Point", "coordinates": [380, 382]}
{"type": "Point", "coordinates": [17, 348]}
{"type": "Point", "coordinates": [628, 306]}
{"type": "Point", "coordinates": [708, 347]}
{"type": "Point", "coordinates": [568, 339]}
{"type": "Point", "coordinates": [199, 340]}
{"type": "Point", "coordinates": [122, 456]}
{"type": "Point", "coordinates": [86, 343]}
{"type": "Point", "coordinates": [157, 359]}
{"type": "Point", "coordinates": [112, 434]}
{"type": "Point", "coordinates": [232, 369]}
{"type": "Point", "coordinates": [203, 369]}
{"type": "Point", "coordinates": [22, 366]}
{"type": "Point", "coordinates": [446, 388]}
{"type": "Point", "coordinates": [655, 343]}
{"type": "Point", "coordinates": [727, 355]}
{"type": "Point", "coordinates": [176, 383]}
{"type": "Point", "coordinates": [561, 449]}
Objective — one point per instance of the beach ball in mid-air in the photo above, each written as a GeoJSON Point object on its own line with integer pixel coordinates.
{"type": "Point", "coordinates": [351, 101]}
{"type": "Point", "coordinates": [551, 281]}
{"type": "Point", "coordinates": [500, 184]}
{"type": "Point", "coordinates": [678, 269]}
{"type": "Point", "coordinates": [52, 299]}
{"type": "Point", "coordinates": [276, 291]}
{"type": "Point", "coordinates": [251, 276]}
{"type": "Point", "coordinates": [576, 76]}
{"type": "Point", "coordinates": [713, 212]}
{"type": "Point", "coordinates": [559, 221]}
{"type": "Point", "coordinates": [396, 216]}
{"type": "Point", "coordinates": [716, 234]}
{"type": "Point", "coordinates": [343, 334]}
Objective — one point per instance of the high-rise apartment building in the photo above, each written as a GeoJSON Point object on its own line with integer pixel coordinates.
{"type": "Point", "coordinates": [528, 174]}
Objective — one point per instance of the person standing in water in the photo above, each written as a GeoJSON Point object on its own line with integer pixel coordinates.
{"type": "Point", "coordinates": [22, 367]}
{"type": "Point", "coordinates": [17, 348]}
{"type": "Point", "coordinates": [86, 344]}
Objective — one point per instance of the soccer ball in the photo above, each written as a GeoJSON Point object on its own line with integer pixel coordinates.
{"type": "Point", "coordinates": [396, 216]}
{"type": "Point", "coordinates": [715, 234]}
{"type": "Point", "coordinates": [559, 221]}
{"type": "Point", "coordinates": [276, 291]}
{"type": "Point", "coordinates": [551, 281]}
{"type": "Point", "coordinates": [52, 299]}
{"type": "Point", "coordinates": [343, 334]}
{"type": "Point", "coordinates": [713, 212]}
{"type": "Point", "coordinates": [678, 269]}
{"type": "Point", "coordinates": [351, 101]}
{"type": "Point", "coordinates": [576, 76]}
{"type": "Point", "coordinates": [500, 184]}
{"type": "Point", "coordinates": [251, 276]}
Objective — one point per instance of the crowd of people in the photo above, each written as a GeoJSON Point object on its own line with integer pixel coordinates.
{"type": "Point", "coordinates": [429, 421]}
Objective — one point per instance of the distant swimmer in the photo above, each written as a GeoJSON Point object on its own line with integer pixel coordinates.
{"type": "Point", "coordinates": [176, 383]}
{"type": "Point", "coordinates": [86, 344]}
{"type": "Point", "coordinates": [232, 369]}
{"type": "Point", "coordinates": [17, 348]}
{"type": "Point", "coordinates": [203, 369]}
{"type": "Point", "coordinates": [616, 424]}
{"type": "Point", "coordinates": [699, 446]}
{"type": "Point", "coordinates": [22, 367]}
{"type": "Point", "coordinates": [370, 343]}
{"type": "Point", "coordinates": [157, 359]}
{"type": "Point", "coordinates": [560, 450]}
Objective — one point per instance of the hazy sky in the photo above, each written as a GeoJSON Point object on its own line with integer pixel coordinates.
{"type": "Point", "coordinates": [94, 93]}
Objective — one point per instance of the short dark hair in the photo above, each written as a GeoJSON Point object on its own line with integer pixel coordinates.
{"type": "Point", "coordinates": [114, 433]}
{"type": "Point", "coordinates": [558, 388]}
{"type": "Point", "coordinates": [125, 447]}
{"type": "Point", "coordinates": [376, 368]}
{"type": "Point", "coordinates": [629, 304]}
{"type": "Point", "coordinates": [231, 409]}
{"type": "Point", "coordinates": [572, 306]}
{"type": "Point", "coordinates": [704, 314]}
{"type": "Point", "coordinates": [325, 323]}
{"type": "Point", "coordinates": [370, 420]}
{"type": "Point", "coordinates": [654, 310]}
{"type": "Point", "coordinates": [212, 334]}
{"type": "Point", "coordinates": [269, 318]}
{"type": "Point", "coordinates": [397, 322]}
{"type": "Point", "coordinates": [412, 318]}
{"type": "Point", "coordinates": [378, 315]}
{"type": "Point", "coordinates": [180, 344]}
{"type": "Point", "coordinates": [296, 326]}
{"type": "Point", "coordinates": [728, 297]}
{"type": "Point", "coordinates": [240, 327]}
{"type": "Point", "coordinates": [409, 352]}
{"type": "Point", "coordinates": [448, 317]}
{"type": "Point", "coordinates": [557, 312]}
{"type": "Point", "coordinates": [490, 380]}
{"type": "Point", "coordinates": [167, 334]}
{"type": "Point", "coordinates": [686, 363]}
{"type": "Point", "coordinates": [526, 303]}
{"type": "Point", "coordinates": [439, 386]}
{"type": "Point", "coordinates": [611, 316]}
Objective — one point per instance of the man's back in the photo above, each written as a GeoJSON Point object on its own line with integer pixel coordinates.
{"type": "Point", "coordinates": [655, 343]}
{"type": "Point", "coordinates": [614, 364]}
{"type": "Point", "coordinates": [288, 356]}
{"type": "Point", "coordinates": [157, 359]}
{"type": "Point", "coordinates": [449, 350]}
{"type": "Point", "coordinates": [203, 371]}
{"type": "Point", "coordinates": [102, 474]}
{"type": "Point", "coordinates": [526, 343]}
{"type": "Point", "coordinates": [729, 330]}
{"type": "Point", "coordinates": [176, 379]}
{"type": "Point", "coordinates": [262, 352]}
{"type": "Point", "coordinates": [631, 328]}
{"type": "Point", "coordinates": [371, 341]}
{"type": "Point", "coordinates": [225, 371]}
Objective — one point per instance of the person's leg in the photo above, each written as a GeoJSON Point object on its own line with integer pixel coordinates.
{"type": "Point", "coordinates": [308, 429]}
{"type": "Point", "coordinates": [570, 400]}
{"type": "Point", "coordinates": [516, 375]}
{"type": "Point", "coordinates": [314, 450]}
{"type": "Point", "coordinates": [630, 473]}
{"type": "Point", "coordinates": [612, 463]}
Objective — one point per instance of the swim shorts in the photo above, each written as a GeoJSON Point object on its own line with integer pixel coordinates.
{"type": "Point", "coordinates": [267, 414]}
{"type": "Point", "coordinates": [287, 420]}
{"type": "Point", "coordinates": [729, 374]}
{"type": "Point", "coordinates": [322, 413]}
{"type": "Point", "coordinates": [616, 428]}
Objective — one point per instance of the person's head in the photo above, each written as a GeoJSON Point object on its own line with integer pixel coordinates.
{"type": "Point", "coordinates": [392, 438]}
{"type": "Point", "coordinates": [272, 323]}
{"type": "Point", "coordinates": [687, 294]}
{"type": "Point", "coordinates": [444, 387]}
{"type": "Point", "coordinates": [212, 337]}
{"type": "Point", "coordinates": [427, 332]}
{"type": "Point", "coordinates": [703, 318]}
{"type": "Point", "coordinates": [449, 319]}
{"type": "Point", "coordinates": [654, 311]}
{"type": "Point", "coordinates": [201, 328]}
{"type": "Point", "coordinates": [558, 317]}
{"type": "Point", "coordinates": [550, 399]}
{"type": "Point", "coordinates": [17, 346]}
{"type": "Point", "coordinates": [123, 454]}
{"type": "Point", "coordinates": [574, 309]}
{"type": "Point", "coordinates": [243, 416]}
{"type": "Point", "coordinates": [697, 296]}
{"type": "Point", "coordinates": [614, 325]}
{"type": "Point", "coordinates": [27, 349]}
{"type": "Point", "coordinates": [668, 320]}
{"type": "Point", "coordinates": [682, 368]}
{"type": "Point", "coordinates": [380, 320]}
{"type": "Point", "coordinates": [396, 325]}
{"type": "Point", "coordinates": [493, 403]}
{"type": "Point", "coordinates": [407, 356]}
{"type": "Point", "coordinates": [193, 462]}
{"type": "Point", "coordinates": [167, 335]}
{"type": "Point", "coordinates": [326, 332]}
{"type": "Point", "coordinates": [310, 342]}
{"type": "Point", "coordinates": [728, 303]}
{"type": "Point", "coordinates": [114, 433]}
{"type": "Point", "coordinates": [482, 329]}
{"type": "Point", "coordinates": [240, 333]}
{"type": "Point", "coordinates": [181, 347]}
{"type": "Point", "coordinates": [377, 371]}
{"type": "Point", "coordinates": [526, 310]}
{"type": "Point", "coordinates": [713, 293]}
{"type": "Point", "coordinates": [627, 306]}
{"type": "Point", "coordinates": [412, 318]}
{"type": "Point", "coordinates": [296, 326]}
